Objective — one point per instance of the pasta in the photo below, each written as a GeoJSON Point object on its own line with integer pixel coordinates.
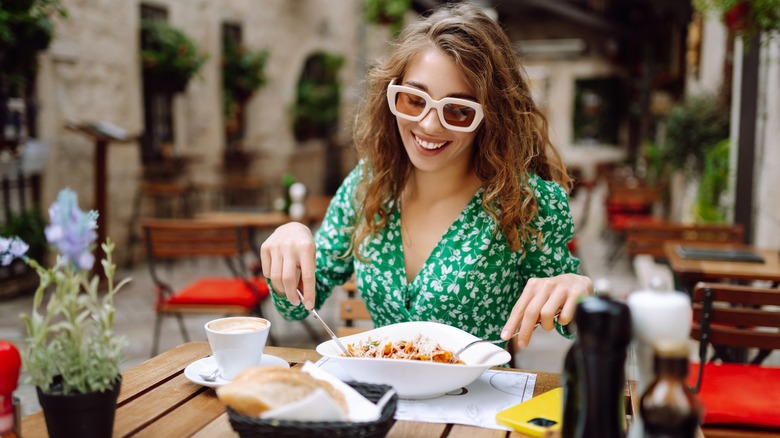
{"type": "Point", "coordinates": [420, 348]}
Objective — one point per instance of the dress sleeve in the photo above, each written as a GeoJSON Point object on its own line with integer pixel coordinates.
{"type": "Point", "coordinates": [332, 240]}
{"type": "Point", "coordinates": [551, 257]}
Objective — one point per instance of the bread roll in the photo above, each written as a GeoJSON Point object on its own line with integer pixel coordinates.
{"type": "Point", "coordinates": [256, 390]}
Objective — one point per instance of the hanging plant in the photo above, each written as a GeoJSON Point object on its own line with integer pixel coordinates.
{"type": "Point", "coordinates": [243, 73]}
{"type": "Point", "coordinates": [386, 12]}
{"type": "Point", "coordinates": [746, 17]}
{"type": "Point", "coordinates": [26, 29]}
{"type": "Point", "coordinates": [168, 56]}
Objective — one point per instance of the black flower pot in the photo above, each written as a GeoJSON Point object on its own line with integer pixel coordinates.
{"type": "Point", "coordinates": [83, 415]}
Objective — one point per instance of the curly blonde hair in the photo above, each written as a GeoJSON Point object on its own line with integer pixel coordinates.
{"type": "Point", "coordinates": [511, 142]}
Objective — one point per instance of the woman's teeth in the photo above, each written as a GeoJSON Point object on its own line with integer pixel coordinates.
{"type": "Point", "coordinates": [429, 145]}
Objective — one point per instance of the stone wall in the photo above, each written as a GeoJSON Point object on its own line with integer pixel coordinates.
{"type": "Point", "coordinates": [92, 73]}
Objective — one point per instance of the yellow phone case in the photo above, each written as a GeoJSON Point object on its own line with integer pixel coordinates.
{"type": "Point", "coordinates": [536, 416]}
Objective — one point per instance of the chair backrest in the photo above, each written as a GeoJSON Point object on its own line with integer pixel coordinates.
{"type": "Point", "coordinates": [352, 310]}
{"type": "Point", "coordinates": [184, 238]}
{"type": "Point", "coordinates": [649, 237]}
{"type": "Point", "coordinates": [736, 316]}
{"type": "Point", "coordinates": [171, 239]}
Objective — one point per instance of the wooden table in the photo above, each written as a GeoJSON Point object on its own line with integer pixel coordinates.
{"type": "Point", "coordinates": [316, 206]}
{"type": "Point", "coordinates": [157, 400]}
{"type": "Point", "coordinates": [690, 271]}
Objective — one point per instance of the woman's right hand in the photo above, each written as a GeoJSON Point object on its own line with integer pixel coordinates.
{"type": "Point", "coordinates": [288, 259]}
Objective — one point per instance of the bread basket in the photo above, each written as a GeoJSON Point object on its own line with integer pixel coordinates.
{"type": "Point", "coordinates": [248, 427]}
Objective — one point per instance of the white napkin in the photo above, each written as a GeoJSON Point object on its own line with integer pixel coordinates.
{"type": "Point", "coordinates": [319, 406]}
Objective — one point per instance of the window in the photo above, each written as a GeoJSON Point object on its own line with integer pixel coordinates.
{"type": "Point", "coordinates": [157, 139]}
{"type": "Point", "coordinates": [234, 107]}
{"type": "Point", "coordinates": [596, 110]}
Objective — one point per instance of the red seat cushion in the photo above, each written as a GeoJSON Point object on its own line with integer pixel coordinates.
{"type": "Point", "coordinates": [620, 222]}
{"type": "Point", "coordinates": [212, 291]}
{"type": "Point", "coordinates": [739, 394]}
{"type": "Point", "coordinates": [572, 245]}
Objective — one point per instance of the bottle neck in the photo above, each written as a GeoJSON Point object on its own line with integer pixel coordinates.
{"type": "Point", "coordinates": [674, 367]}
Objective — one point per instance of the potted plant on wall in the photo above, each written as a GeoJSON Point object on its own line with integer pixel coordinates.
{"type": "Point", "coordinates": [318, 99]}
{"type": "Point", "coordinates": [26, 29]}
{"type": "Point", "coordinates": [72, 353]}
{"type": "Point", "coordinates": [169, 57]}
{"type": "Point", "coordinates": [243, 73]}
{"type": "Point", "coordinates": [386, 13]}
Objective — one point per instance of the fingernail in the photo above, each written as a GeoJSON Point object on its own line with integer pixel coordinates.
{"type": "Point", "coordinates": [505, 334]}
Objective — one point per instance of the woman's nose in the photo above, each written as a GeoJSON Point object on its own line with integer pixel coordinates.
{"type": "Point", "coordinates": [431, 121]}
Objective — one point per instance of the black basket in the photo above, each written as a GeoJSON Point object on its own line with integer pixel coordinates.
{"type": "Point", "coordinates": [248, 427]}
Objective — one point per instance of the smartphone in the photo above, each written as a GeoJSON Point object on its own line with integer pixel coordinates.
{"type": "Point", "coordinates": [537, 416]}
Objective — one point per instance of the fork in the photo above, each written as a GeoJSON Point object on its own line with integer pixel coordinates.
{"type": "Point", "coordinates": [456, 355]}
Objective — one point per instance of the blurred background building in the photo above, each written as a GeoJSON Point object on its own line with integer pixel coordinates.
{"type": "Point", "coordinates": [209, 104]}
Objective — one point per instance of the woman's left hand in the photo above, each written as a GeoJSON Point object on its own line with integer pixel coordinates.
{"type": "Point", "coordinates": [541, 300]}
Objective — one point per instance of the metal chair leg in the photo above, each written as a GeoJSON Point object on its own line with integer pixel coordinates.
{"type": "Point", "coordinates": [156, 339]}
{"type": "Point", "coordinates": [183, 328]}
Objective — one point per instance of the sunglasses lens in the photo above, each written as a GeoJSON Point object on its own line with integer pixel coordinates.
{"type": "Point", "coordinates": [455, 115]}
{"type": "Point", "coordinates": [459, 115]}
{"type": "Point", "coordinates": [409, 104]}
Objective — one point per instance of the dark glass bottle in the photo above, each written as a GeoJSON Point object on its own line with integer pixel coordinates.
{"type": "Point", "coordinates": [668, 407]}
{"type": "Point", "coordinates": [603, 335]}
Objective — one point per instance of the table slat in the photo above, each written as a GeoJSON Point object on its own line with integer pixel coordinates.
{"type": "Point", "coordinates": [412, 428]}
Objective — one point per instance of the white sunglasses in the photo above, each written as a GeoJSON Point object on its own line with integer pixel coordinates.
{"type": "Point", "coordinates": [412, 104]}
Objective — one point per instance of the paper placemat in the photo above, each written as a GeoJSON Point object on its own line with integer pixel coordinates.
{"type": "Point", "coordinates": [475, 405]}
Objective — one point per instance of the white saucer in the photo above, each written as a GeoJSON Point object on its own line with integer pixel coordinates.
{"type": "Point", "coordinates": [207, 365]}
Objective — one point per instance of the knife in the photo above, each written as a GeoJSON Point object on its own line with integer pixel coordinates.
{"type": "Point", "coordinates": [327, 329]}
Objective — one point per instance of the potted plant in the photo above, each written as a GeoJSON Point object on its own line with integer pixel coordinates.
{"type": "Point", "coordinates": [72, 353]}
{"type": "Point", "coordinates": [169, 57]}
{"type": "Point", "coordinates": [693, 128]}
{"type": "Point", "coordinates": [318, 99]}
{"type": "Point", "coordinates": [243, 73]}
{"type": "Point", "coordinates": [386, 12]}
{"type": "Point", "coordinates": [746, 17]}
{"type": "Point", "coordinates": [26, 29]}
{"type": "Point", "coordinates": [19, 278]}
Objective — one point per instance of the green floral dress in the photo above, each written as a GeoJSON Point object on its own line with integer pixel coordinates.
{"type": "Point", "coordinates": [471, 280]}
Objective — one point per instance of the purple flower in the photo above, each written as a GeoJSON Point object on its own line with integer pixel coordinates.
{"type": "Point", "coordinates": [11, 248]}
{"type": "Point", "coordinates": [71, 230]}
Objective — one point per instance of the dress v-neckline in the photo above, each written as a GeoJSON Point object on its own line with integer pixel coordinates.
{"type": "Point", "coordinates": [399, 238]}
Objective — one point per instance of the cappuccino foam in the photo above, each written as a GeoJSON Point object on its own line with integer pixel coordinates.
{"type": "Point", "coordinates": [238, 325]}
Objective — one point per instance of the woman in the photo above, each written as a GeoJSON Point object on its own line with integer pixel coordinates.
{"type": "Point", "coordinates": [456, 212]}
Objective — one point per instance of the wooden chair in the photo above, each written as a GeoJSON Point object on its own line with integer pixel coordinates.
{"type": "Point", "coordinates": [726, 315]}
{"type": "Point", "coordinates": [174, 240]}
{"type": "Point", "coordinates": [648, 237]}
{"type": "Point", "coordinates": [352, 310]}
{"type": "Point", "coordinates": [626, 203]}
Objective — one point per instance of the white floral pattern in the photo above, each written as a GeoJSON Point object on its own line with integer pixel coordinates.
{"type": "Point", "coordinates": [471, 280]}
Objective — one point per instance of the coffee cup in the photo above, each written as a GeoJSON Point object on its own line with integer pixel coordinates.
{"type": "Point", "coordinates": [237, 343]}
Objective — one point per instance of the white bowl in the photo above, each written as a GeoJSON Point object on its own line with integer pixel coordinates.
{"type": "Point", "coordinates": [414, 379]}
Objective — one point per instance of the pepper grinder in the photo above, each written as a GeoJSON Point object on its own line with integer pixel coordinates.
{"type": "Point", "coordinates": [597, 380]}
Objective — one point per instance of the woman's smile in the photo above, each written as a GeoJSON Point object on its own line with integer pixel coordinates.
{"type": "Point", "coordinates": [430, 145]}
